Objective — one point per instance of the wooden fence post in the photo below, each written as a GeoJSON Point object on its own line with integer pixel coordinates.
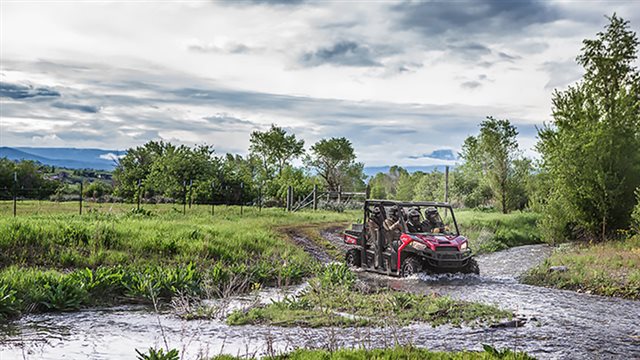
{"type": "Point", "coordinates": [315, 197]}
{"type": "Point", "coordinates": [339, 194]}
{"type": "Point", "coordinates": [15, 193]}
{"type": "Point", "coordinates": [139, 195]}
{"type": "Point", "coordinates": [80, 197]}
{"type": "Point", "coordinates": [289, 197]}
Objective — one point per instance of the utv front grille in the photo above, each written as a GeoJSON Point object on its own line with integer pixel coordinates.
{"type": "Point", "coordinates": [446, 248]}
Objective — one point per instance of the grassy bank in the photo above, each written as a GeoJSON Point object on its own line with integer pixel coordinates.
{"type": "Point", "coordinates": [65, 261]}
{"type": "Point", "coordinates": [405, 353]}
{"type": "Point", "coordinates": [333, 299]}
{"type": "Point", "coordinates": [493, 231]}
{"type": "Point", "coordinates": [611, 269]}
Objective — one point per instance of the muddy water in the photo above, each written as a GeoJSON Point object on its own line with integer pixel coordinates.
{"type": "Point", "coordinates": [560, 324]}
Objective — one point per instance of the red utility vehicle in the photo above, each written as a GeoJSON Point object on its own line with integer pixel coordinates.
{"type": "Point", "coordinates": [435, 246]}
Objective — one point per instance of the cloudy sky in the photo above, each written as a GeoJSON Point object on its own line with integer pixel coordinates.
{"type": "Point", "coordinates": [400, 79]}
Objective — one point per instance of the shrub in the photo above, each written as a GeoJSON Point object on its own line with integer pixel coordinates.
{"type": "Point", "coordinates": [635, 215]}
{"type": "Point", "coordinates": [158, 354]}
{"type": "Point", "coordinates": [336, 274]}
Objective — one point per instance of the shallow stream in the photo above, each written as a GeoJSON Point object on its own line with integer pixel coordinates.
{"type": "Point", "coordinates": [559, 324]}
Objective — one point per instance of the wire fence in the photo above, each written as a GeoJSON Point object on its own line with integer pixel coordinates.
{"type": "Point", "coordinates": [21, 200]}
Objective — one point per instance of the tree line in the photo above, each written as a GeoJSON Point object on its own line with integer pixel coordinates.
{"type": "Point", "coordinates": [161, 170]}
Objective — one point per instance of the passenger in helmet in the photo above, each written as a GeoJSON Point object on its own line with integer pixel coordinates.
{"type": "Point", "coordinates": [432, 221]}
{"type": "Point", "coordinates": [413, 223]}
{"type": "Point", "coordinates": [374, 226]}
{"type": "Point", "coordinates": [392, 226]}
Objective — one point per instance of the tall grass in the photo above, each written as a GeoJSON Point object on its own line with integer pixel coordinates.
{"type": "Point", "coordinates": [492, 231]}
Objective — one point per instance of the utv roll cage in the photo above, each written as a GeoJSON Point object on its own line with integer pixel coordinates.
{"type": "Point", "coordinates": [369, 205]}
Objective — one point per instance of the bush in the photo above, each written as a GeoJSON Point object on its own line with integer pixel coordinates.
{"type": "Point", "coordinates": [9, 305]}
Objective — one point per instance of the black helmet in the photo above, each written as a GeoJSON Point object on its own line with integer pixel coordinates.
{"type": "Point", "coordinates": [414, 214]}
{"type": "Point", "coordinates": [430, 212]}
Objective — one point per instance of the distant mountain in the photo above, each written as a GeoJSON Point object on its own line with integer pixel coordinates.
{"type": "Point", "coordinates": [101, 159]}
{"type": "Point", "coordinates": [71, 158]}
{"type": "Point", "coordinates": [373, 170]}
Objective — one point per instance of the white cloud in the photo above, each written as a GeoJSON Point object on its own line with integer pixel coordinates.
{"type": "Point", "coordinates": [111, 156]}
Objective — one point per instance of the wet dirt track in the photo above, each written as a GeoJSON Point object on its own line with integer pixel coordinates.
{"type": "Point", "coordinates": [560, 324]}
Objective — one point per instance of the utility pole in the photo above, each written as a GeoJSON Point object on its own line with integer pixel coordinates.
{"type": "Point", "coordinates": [446, 187]}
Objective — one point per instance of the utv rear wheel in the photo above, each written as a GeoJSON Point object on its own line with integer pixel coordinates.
{"type": "Point", "coordinates": [472, 267]}
{"type": "Point", "coordinates": [410, 266]}
{"type": "Point", "coordinates": [353, 258]}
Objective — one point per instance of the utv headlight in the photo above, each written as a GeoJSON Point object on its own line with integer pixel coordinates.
{"type": "Point", "coordinates": [418, 245]}
{"type": "Point", "coordinates": [464, 246]}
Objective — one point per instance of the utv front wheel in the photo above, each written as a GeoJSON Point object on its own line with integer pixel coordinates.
{"type": "Point", "coordinates": [410, 266]}
{"type": "Point", "coordinates": [471, 267]}
{"type": "Point", "coordinates": [353, 258]}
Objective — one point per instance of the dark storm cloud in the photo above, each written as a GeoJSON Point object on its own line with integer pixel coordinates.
{"type": "Point", "coordinates": [471, 50]}
{"type": "Point", "coordinates": [78, 107]}
{"type": "Point", "coordinates": [344, 53]}
{"type": "Point", "coordinates": [473, 17]}
{"type": "Point", "coordinates": [15, 91]}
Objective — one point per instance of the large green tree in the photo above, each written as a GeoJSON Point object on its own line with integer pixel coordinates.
{"type": "Point", "coordinates": [334, 160]}
{"type": "Point", "coordinates": [591, 149]}
{"type": "Point", "coordinates": [275, 148]}
{"type": "Point", "coordinates": [489, 168]}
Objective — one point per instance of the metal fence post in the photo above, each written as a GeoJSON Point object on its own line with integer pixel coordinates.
{"type": "Point", "coordinates": [289, 197]}
{"type": "Point", "coordinates": [260, 198]}
{"type": "Point", "coordinates": [339, 194]}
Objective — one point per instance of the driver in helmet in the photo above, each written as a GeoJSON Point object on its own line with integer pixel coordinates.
{"type": "Point", "coordinates": [413, 222]}
{"type": "Point", "coordinates": [432, 221]}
